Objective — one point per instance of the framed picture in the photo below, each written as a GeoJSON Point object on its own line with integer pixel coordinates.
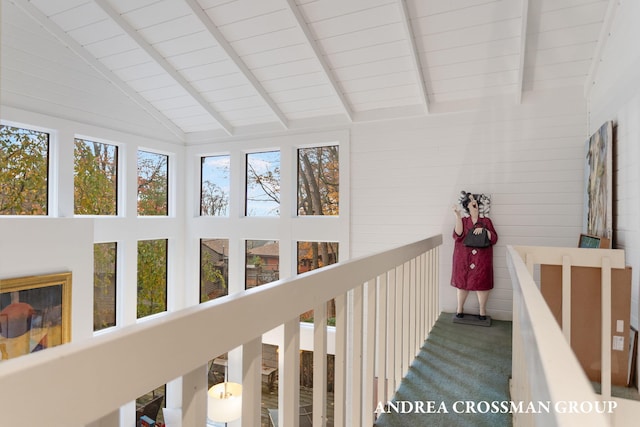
{"type": "Point", "coordinates": [587, 241]}
{"type": "Point", "coordinates": [598, 197]}
{"type": "Point", "coordinates": [35, 314]}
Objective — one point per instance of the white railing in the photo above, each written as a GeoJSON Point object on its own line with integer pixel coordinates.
{"type": "Point", "coordinates": [386, 305]}
{"type": "Point", "coordinates": [545, 371]}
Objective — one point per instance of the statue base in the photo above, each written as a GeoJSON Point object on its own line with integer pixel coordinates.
{"type": "Point", "coordinates": [471, 319]}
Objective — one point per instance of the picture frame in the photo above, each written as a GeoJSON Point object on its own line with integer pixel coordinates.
{"type": "Point", "coordinates": [598, 181]}
{"type": "Point", "coordinates": [35, 313]}
{"type": "Point", "coordinates": [589, 241]}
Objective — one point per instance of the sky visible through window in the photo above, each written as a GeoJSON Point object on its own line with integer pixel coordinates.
{"type": "Point", "coordinates": [263, 184]}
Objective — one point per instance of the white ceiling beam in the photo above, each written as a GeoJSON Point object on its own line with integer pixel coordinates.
{"type": "Point", "coordinates": [523, 49]}
{"type": "Point", "coordinates": [75, 47]}
{"type": "Point", "coordinates": [159, 59]}
{"type": "Point", "coordinates": [235, 58]}
{"type": "Point", "coordinates": [302, 24]}
{"type": "Point", "coordinates": [415, 55]}
{"type": "Point", "coordinates": [605, 31]}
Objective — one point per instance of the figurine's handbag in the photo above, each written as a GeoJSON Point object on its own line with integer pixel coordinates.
{"type": "Point", "coordinates": [480, 240]}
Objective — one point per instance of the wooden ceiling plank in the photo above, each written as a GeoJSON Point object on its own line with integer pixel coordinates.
{"type": "Point", "coordinates": [416, 61]}
{"type": "Point", "coordinates": [162, 62]}
{"type": "Point", "coordinates": [235, 58]}
{"type": "Point", "coordinates": [57, 32]}
{"type": "Point", "coordinates": [321, 58]}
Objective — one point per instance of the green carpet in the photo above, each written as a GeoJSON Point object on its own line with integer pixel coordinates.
{"type": "Point", "coordinates": [461, 369]}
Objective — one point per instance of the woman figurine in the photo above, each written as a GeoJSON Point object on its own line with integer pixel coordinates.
{"type": "Point", "coordinates": [472, 266]}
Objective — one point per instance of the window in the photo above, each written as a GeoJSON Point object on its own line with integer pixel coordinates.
{"type": "Point", "coordinates": [152, 277]}
{"type": "Point", "coordinates": [104, 285]}
{"type": "Point", "coordinates": [214, 268]}
{"type": "Point", "coordinates": [262, 262]}
{"type": "Point", "coordinates": [314, 255]}
{"type": "Point", "coordinates": [263, 184]}
{"type": "Point", "coordinates": [24, 170]}
{"type": "Point", "coordinates": [214, 190]}
{"type": "Point", "coordinates": [95, 178]}
{"type": "Point", "coordinates": [153, 184]}
{"type": "Point", "coordinates": [318, 181]}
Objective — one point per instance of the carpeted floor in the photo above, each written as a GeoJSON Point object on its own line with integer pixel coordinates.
{"type": "Point", "coordinates": [461, 371]}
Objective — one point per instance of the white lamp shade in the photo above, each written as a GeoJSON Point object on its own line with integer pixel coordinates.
{"type": "Point", "coordinates": [225, 402]}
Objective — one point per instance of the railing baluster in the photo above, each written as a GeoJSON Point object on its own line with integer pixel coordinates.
{"type": "Point", "coordinates": [319, 412]}
{"type": "Point", "coordinates": [391, 334]}
{"type": "Point", "coordinates": [340, 375]}
{"type": "Point", "coordinates": [251, 381]}
{"type": "Point", "coordinates": [355, 379]}
{"type": "Point", "coordinates": [398, 327]}
{"type": "Point", "coordinates": [406, 312]}
{"type": "Point", "coordinates": [368, 364]}
{"type": "Point", "coordinates": [381, 341]}
{"type": "Point", "coordinates": [289, 376]}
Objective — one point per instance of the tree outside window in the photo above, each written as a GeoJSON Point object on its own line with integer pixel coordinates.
{"type": "Point", "coordinates": [214, 268]}
{"type": "Point", "coordinates": [95, 178]}
{"type": "Point", "coordinates": [318, 181]}
{"type": "Point", "coordinates": [214, 191]}
{"type": "Point", "coordinates": [152, 277]}
{"type": "Point", "coordinates": [263, 184]}
{"type": "Point", "coordinates": [24, 169]}
{"type": "Point", "coordinates": [104, 285]}
{"type": "Point", "coordinates": [153, 184]}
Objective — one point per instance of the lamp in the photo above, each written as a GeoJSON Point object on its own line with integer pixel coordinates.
{"type": "Point", "coordinates": [224, 402]}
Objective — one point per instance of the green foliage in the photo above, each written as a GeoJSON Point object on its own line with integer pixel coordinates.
{"type": "Point", "coordinates": [23, 171]}
{"type": "Point", "coordinates": [152, 277]}
{"type": "Point", "coordinates": [95, 178]}
{"type": "Point", "coordinates": [210, 273]}
{"type": "Point", "coordinates": [153, 184]}
{"type": "Point", "coordinates": [104, 283]}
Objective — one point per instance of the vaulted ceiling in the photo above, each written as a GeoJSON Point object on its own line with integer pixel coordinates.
{"type": "Point", "coordinates": [229, 67]}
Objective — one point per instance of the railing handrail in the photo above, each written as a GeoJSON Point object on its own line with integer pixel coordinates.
{"type": "Point", "coordinates": [553, 372]}
{"type": "Point", "coordinates": [79, 382]}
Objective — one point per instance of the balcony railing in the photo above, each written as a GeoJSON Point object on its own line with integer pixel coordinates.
{"type": "Point", "coordinates": [386, 305]}
{"type": "Point", "coordinates": [545, 370]}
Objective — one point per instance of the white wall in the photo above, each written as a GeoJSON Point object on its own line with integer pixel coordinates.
{"type": "Point", "coordinates": [616, 96]}
{"type": "Point", "coordinates": [406, 175]}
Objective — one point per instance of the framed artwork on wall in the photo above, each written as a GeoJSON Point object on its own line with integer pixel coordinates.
{"type": "Point", "coordinates": [35, 313]}
{"type": "Point", "coordinates": [587, 241]}
{"type": "Point", "coordinates": [598, 197]}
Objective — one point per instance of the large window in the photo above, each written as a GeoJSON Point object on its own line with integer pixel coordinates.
{"type": "Point", "coordinates": [314, 255]}
{"type": "Point", "coordinates": [104, 285]}
{"type": "Point", "coordinates": [152, 277]}
{"type": "Point", "coordinates": [24, 170]}
{"type": "Point", "coordinates": [214, 268]}
{"type": "Point", "coordinates": [95, 178]}
{"type": "Point", "coordinates": [153, 184]}
{"type": "Point", "coordinates": [262, 262]}
{"type": "Point", "coordinates": [318, 181]}
{"type": "Point", "coordinates": [263, 184]}
{"type": "Point", "coordinates": [214, 191]}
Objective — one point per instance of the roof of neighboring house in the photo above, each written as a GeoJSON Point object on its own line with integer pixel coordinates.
{"type": "Point", "coordinates": [270, 249]}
